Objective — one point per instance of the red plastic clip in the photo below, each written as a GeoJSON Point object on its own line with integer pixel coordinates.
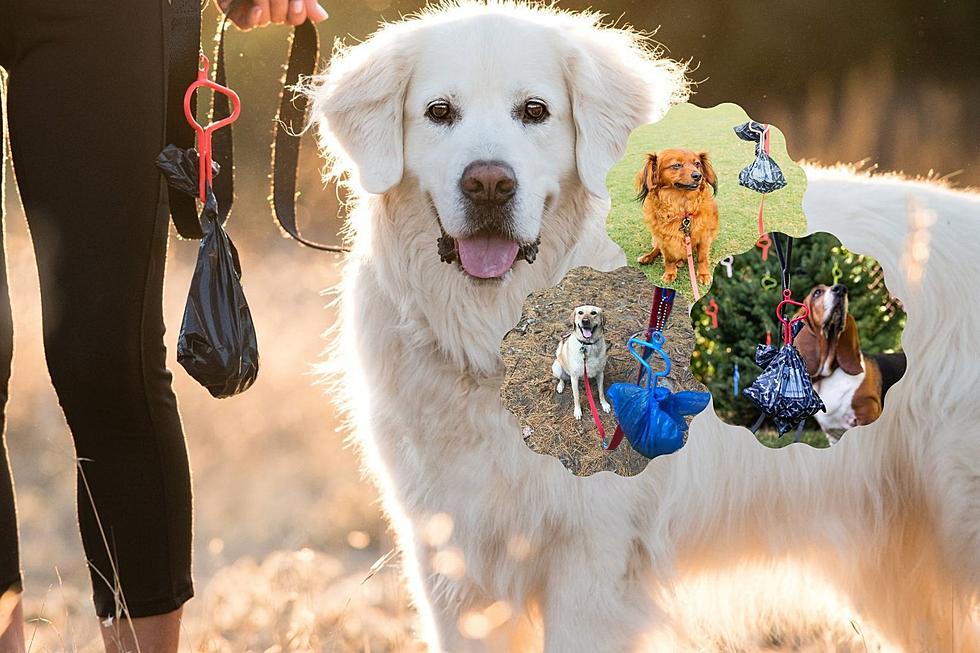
{"type": "Point", "coordinates": [204, 133]}
{"type": "Point", "coordinates": [764, 243]}
{"type": "Point", "coordinates": [712, 311]}
{"type": "Point", "coordinates": [788, 324]}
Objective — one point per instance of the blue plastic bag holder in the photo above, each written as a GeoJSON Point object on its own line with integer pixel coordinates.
{"type": "Point", "coordinates": [651, 416]}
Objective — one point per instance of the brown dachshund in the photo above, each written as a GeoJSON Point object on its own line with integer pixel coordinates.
{"type": "Point", "coordinates": [673, 185]}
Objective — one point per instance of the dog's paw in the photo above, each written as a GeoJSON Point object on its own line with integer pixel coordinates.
{"type": "Point", "coordinates": [645, 259]}
{"type": "Point", "coordinates": [578, 413]}
{"type": "Point", "coordinates": [669, 277]}
{"type": "Point", "coordinates": [704, 279]}
{"type": "Point", "coordinates": [606, 407]}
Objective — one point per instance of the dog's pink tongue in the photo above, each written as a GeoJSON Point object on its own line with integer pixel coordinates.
{"type": "Point", "coordinates": [586, 332]}
{"type": "Point", "coordinates": [486, 257]}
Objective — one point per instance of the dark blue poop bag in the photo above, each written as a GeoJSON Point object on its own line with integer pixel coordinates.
{"type": "Point", "coordinates": [651, 416]}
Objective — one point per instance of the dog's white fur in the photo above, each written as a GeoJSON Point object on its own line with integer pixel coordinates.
{"type": "Point", "coordinates": [891, 518]}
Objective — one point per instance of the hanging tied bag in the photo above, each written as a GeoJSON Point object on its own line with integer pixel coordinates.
{"type": "Point", "coordinates": [217, 344]}
{"type": "Point", "coordinates": [762, 175]}
{"type": "Point", "coordinates": [651, 416]}
{"type": "Point", "coordinates": [784, 391]}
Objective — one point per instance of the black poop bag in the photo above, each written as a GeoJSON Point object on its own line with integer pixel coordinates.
{"type": "Point", "coordinates": [217, 344]}
{"type": "Point", "coordinates": [763, 174]}
{"type": "Point", "coordinates": [783, 391]}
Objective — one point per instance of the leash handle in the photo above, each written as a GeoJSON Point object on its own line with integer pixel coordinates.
{"type": "Point", "coordinates": [290, 124]}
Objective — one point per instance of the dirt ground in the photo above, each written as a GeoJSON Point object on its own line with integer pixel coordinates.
{"type": "Point", "coordinates": [528, 350]}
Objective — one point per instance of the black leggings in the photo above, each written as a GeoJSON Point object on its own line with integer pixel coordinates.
{"type": "Point", "coordinates": [85, 108]}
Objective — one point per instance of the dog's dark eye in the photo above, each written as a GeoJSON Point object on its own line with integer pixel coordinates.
{"type": "Point", "coordinates": [580, 312]}
{"type": "Point", "coordinates": [697, 164]}
{"type": "Point", "coordinates": [591, 312]}
{"type": "Point", "coordinates": [677, 166]}
{"type": "Point", "coordinates": [817, 292]}
{"type": "Point", "coordinates": [439, 111]}
{"type": "Point", "coordinates": [534, 111]}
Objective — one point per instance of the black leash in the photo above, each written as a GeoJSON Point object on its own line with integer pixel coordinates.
{"type": "Point", "coordinates": [290, 121]}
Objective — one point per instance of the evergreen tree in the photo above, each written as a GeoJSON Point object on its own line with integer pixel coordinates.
{"type": "Point", "coordinates": [746, 310]}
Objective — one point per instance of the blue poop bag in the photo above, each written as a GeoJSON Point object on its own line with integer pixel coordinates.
{"type": "Point", "coordinates": [652, 417]}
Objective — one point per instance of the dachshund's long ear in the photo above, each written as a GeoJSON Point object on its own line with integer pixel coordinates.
{"type": "Point", "coordinates": [646, 178]}
{"type": "Point", "coordinates": [849, 348]}
{"type": "Point", "coordinates": [616, 84]}
{"type": "Point", "coordinates": [358, 107]}
{"type": "Point", "coordinates": [807, 342]}
{"type": "Point", "coordinates": [708, 171]}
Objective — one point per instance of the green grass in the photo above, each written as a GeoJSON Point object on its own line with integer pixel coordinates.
{"type": "Point", "coordinates": [692, 127]}
{"type": "Point", "coordinates": [772, 440]}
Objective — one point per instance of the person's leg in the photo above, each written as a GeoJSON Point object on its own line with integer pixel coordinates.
{"type": "Point", "coordinates": [11, 612]}
{"type": "Point", "coordinates": [86, 118]}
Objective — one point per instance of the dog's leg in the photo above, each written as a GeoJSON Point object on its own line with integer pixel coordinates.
{"type": "Point", "coordinates": [704, 262]}
{"type": "Point", "coordinates": [602, 393]}
{"type": "Point", "coordinates": [559, 373]}
{"type": "Point", "coordinates": [575, 398]}
{"type": "Point", "coordinates": [649, 257]}
{"type": "Point", "coordinates": [670, 269]}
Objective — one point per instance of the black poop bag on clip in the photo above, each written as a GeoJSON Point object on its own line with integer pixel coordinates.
{"type": "Point", "coordinates": [217, 344]}
{"type": "Point", "coordinates": [784, 391]}
{"type": "Point", "coordinates": [763, 174]}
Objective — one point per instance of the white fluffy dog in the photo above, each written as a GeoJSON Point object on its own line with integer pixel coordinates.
{"type": "Point", "coordinates": [489, 130]}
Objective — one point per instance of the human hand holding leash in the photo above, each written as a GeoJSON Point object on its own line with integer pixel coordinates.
{"type": "Point", "coordinates": [248, 14]}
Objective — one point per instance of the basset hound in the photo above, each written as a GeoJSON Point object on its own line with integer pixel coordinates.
{"type": "Point", "coordinates": [851, 384]}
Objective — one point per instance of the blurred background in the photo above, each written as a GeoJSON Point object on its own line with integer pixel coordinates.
{"type": "Point", "coordinates": [286, 530]}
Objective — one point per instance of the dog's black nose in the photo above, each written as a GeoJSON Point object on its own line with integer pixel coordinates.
{"type": "Point", "coordinates": [696, 176]}
{"type": "Point", "coordinates": [488, 182]}
{"type": "Point", "coordinates": [839, 289]}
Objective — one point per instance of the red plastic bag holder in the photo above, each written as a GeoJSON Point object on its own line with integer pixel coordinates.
{"type": "Point", "coordinates": [204, 133]}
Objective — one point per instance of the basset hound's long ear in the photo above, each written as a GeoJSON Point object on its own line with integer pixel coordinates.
{"type": "Point", "coordinates": [616, 83]}
{"type": "Point", "coordinates": [708, 171]}
{"type": "Point", "coordinates": [808, 343]}
{"type": "Point", "coordinates": [646, 178]}
{"type": "Point", "coordinates": [358, 106]}
{"type": "Point", "coordinates": [849, 348]}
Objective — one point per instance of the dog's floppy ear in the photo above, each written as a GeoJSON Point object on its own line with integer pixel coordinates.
{"type": "Point", "coordinates": [646, 178]}
{"type": "Point", "coordinates": [709, 171]}
{"type": "Point", "coordinates": [358, 106]}
{"type": "Point", "coordinates": [616, 84]}
{"type": "Point", "coordinates": [571, 317]}
{"type": "Point", "coordinates": [807, 342]}
{"type": "Point", "coordinates": [849, 348]}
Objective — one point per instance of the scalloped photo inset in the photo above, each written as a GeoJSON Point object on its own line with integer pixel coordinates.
{"type": "Point", "coordinates": [694, 130]}
{"type": "Point", "coordinates": [529, 390]}
{"type": "Point", "coordinates": [850, 343]}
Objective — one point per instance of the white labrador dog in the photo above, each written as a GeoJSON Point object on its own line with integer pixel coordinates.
{"type": "Point", "coordinates": [582, 353]}
{"type": "Point", "coordinates": [481, 136]}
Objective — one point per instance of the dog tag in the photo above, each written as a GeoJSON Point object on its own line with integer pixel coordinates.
{"type": "Point", "coordinates": [764, 243]}
{"type": "Point", "coordinates": [712, 311]}
{"type": "Point", "coordinates": [727, 264]}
